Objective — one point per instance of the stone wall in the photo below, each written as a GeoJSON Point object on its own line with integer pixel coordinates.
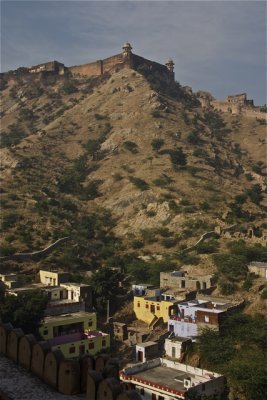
{"type": "Point", "coordinates": [91, 375]}
{"type": "Point", "coordinates": [99, 67]}
{"type": "Point", "coordinates": [117, 61]}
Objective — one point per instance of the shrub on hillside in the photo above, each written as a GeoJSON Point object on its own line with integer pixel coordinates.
{"type": "Point", "coordinates": [207, 247]}
{"type": "Point", "coordinates": [155, 114]}
{"type": "Point", "coordinates": [255, 193]}
{"type": "Point", "coordinates": [157, 144]}
{"type": "Point", "coordinates": [139, 183]}
{"type": "Point", "coordinates": [163, 181]}
{"type": "Point", "coordinates": [227, 288]}
{"type": "Point", "coordinates": [13, 137]}
{"type": "Point", "coordinates": [69, 87]}
{"type": "Point", "coordinates": [10, 220]}
{"type": "Point", "coordinates": [178, 157]}
{"type": "Point", "coordinates": [130, 146]}
{"type": "Point", "coordinates": [194, 138]}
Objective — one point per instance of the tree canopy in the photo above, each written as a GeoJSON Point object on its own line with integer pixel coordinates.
{"type": "Point", "coordinates": [24, 311]}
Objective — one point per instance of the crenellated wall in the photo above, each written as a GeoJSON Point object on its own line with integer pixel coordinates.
{"type": "Point", "coordinates": [91, 375]}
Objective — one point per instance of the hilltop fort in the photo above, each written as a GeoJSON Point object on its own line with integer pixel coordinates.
{"type": "Point", "coordinates": [125, 59]}
{"type": "Point", "coordinates": [234, 104]}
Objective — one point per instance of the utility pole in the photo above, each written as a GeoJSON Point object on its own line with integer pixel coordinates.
{"type": "Point", "coordinates": [107, 311]}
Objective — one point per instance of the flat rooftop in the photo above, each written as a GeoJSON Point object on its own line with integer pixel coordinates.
{"type": "Point", "coordinates": [70, 316]}
{"type": "Point", "coordinates": [147, 344]}
{"type": "Point", "coordinates": [74, 284]}
{"type": "Point", "coordinates": [168, 377]}
{"type": "Point", "coordinates": [178, 339]}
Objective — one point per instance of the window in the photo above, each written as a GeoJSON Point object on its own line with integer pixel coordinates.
{"type": "Point", "coordinates": [138, 304]}
{"type": "Point", "coordinates": [142, 391]}
{"type": "Point", "coordinates": [90, 323]}
{"type": "Point", "coordinates": [45, 331]}
{"type": "Point", "coordinates": [91, 346]}
{"type": "Point", "coordinates": [72, 350]}
{"type": "Point", "coordinates": [158, 308]}
{"type": "Point", "coordinates": [103, 343]}
{"type": "Point", "coordinates": [161, 398]}
{"type": "Point", "coordinates": [147, 306]}
{"type": "Point", "coordinates": [207, 319]}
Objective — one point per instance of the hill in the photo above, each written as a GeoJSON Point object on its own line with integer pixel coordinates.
{"type": "Point", "coordinates": [125, 164]}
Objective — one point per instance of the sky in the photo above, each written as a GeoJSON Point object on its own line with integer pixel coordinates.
{"type": "Point", "coordinates": [217, 46]}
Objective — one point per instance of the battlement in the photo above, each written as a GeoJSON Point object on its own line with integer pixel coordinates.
{"type": "Point", "coordinates": [51, 66]}
{"type": "Point", "coordinates": [125, 59]}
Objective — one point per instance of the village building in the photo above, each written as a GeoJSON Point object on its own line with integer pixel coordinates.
{"type": "Point", "coordinates": [176, 347]}
{"type": "Point", "coordinates": [53, 278]}
{"type": "Point", "coordinates": [142, 289]}
{"type": "Point", "coordinates": [146, 351]}
{"type": "Point", "coordinates": [153, 310]}
{"type": "Point", "coordinates": [74, 334]}
{"type": "Point", "coordinates": [9, 281]}
{"type": "Point", "coordinates": [79, 292]}
{"type": "Point", "coordinates": [182, 280]}
{"type": "Point", "coordinates": [53, 326]}
{"type": "Point", "coordinates": [258, 268]}
{"type": "Point", "coordinates": [161, 378]}
{"type": "Point", "coordinates": [195, 315]}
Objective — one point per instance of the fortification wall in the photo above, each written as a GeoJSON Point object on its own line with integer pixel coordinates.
{"type": "Point", "coordinates": [93, 68]}
{"type": "Point", "coordinates": [97, 68]}
{"type": "Point", "coordinates": [156, 68]}
{"type": "Point", "coordinates": [68, 377]}
{"type": "Point", "coordinates": [111, 62]}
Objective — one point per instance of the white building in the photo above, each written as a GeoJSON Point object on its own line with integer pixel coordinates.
{"type": "Point", "coordinates": [176, 347]}
{"type": "Point", "coordinates": [259, 268]}
{"type": "Point", "coordinates": [146, 351]}
{"type": "Point", "coordinates": [162, 379]}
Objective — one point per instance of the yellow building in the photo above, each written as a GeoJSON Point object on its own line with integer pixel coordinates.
{"type": "Point", "coordinates": [77, 344]}
{"type": "Point", "coordinates": [148, 309]}
{"type": "Point", "coordinates": [66, 324]}
{"type": "Point", "coordinates": [74, 334]}
{"type": "Point", "coordinates": [53, 278]}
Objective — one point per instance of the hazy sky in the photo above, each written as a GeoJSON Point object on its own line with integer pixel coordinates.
{"type": "Point", "coordinates": [218, 46]}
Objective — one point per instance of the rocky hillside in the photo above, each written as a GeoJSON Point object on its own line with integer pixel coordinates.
{"type": "Point", "coordinates": [124, 165]}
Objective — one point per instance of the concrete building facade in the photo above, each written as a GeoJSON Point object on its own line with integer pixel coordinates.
{"type": "Point", "coordinates": [149, 309]}
{"type": "Point", "coordinates": [169, 380]}
{"type": "Point", "coordinates": [258, 268]}
{"type": "Point", "coordinates": [53, 278]}
{"type": "Point", "coordinates": [181, 280]}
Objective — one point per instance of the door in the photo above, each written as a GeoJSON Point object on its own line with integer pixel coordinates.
{"type": "Point", "coordinates": [152, 308]}
{"type": "Point", "coordinates": [173, 352]}
{"type": "Point", "coordinates": [140, 356]}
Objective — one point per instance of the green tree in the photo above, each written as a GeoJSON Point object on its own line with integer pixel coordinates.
{"type": "Point", "coordinates": [106, 287]}
{"type": "Point", "coordinates": [139, 183]}
{"type": "Point", "coordinates": [24, 311]}
{"type": "Point", "coordinates": [255, 193]}
{"type": "Point", "coordinates": [130, 146]}
{"type": "Point", "coordinates": [157, 144]}
{"type": "Point", "coordinates": [178, 157]}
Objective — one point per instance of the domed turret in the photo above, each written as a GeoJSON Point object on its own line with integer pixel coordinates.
{"type": "Point", "coordinates": [127, 49]}
{"type": "Point", "coordinates": [170, 65]}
